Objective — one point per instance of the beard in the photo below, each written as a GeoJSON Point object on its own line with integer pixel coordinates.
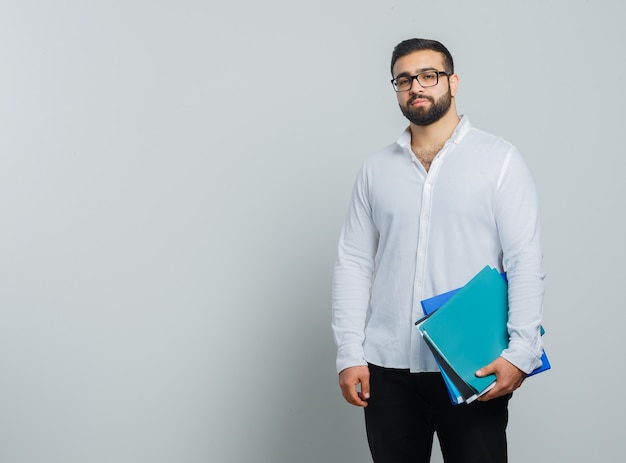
{"type": "Point", "coordinates": [423, 116]}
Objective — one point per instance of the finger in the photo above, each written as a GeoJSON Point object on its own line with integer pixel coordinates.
{"type": "Point", "coordinates": [363, 399]}
{"type": "Point", "coordinates": [350, 381]}
{"type": "Point", "coordinates": [352, 396]}
{"type": "Point", "coordinates": [502, 387]}
{"type": "Point", "coordinates": [491, 394]}
{"type": "Point", "coordinates": [350, 393]}
{"type": "Point", "coordinates": [365, 388]}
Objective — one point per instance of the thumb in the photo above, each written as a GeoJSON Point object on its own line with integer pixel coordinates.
{"type": "Point", "coordinates": [365, 387]}
{"type": "Point", "coordinates": [485, 371]}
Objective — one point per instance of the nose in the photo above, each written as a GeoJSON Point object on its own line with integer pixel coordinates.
{"type": "Point", "coordinates": [416, 87]}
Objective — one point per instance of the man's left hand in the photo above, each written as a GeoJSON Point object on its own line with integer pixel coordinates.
{"type": "Point", "coordinates": [508, 378]}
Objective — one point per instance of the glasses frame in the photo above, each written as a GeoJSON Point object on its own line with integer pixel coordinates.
{"type": "Point", "coordinates": [416, 77]}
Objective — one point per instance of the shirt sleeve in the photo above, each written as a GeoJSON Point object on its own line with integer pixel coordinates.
{"type": "Point", "coordinates": [352, 276]}
{"type": "Point", "coordinates": [518, 221]}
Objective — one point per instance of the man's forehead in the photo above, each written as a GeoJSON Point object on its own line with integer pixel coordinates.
{"type": "Point", "coordinates": [417, 61]}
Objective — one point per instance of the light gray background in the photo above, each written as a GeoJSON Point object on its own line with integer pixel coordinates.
{"type": "Point", "coordinates": [173, 179]}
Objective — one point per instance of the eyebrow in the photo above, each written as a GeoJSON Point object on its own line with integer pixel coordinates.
{"type": "Point", "coordinates": [406, 73]}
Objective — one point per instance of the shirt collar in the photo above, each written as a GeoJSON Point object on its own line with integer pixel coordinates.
{"type": "Point", "coordinates": [462, 128]}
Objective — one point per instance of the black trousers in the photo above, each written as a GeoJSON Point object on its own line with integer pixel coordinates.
{"type": "Point", "coordinates": [406, 409]}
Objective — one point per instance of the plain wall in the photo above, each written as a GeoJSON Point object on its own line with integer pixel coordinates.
{"type": "Point", "coordinates": [173, 180]}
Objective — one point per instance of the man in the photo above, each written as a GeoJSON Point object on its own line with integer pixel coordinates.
{"type": "Point", "coordinates": [427, 213]}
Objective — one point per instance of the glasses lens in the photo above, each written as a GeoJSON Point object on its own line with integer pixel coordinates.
{"type": "Point", "coordinates": [403, 83]}
{"type": "Point", "coordinates": [428, 79]}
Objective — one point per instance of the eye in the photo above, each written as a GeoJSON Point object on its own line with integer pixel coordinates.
{"type": "Point", "coordinates": [428, 76]}
{"type": "Point", "coordinates": [403, 81]}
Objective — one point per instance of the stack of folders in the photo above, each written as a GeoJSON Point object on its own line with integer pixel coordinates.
{"type": "Point", "coordinates": [466, 329]}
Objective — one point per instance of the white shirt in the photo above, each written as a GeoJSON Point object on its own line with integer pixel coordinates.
{"type": "Point", "coordinates": [411, 234]}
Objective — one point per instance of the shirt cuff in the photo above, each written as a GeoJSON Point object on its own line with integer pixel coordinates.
{"type": "Point", "coordinates": [519, 355]}
{"type": "Point", "coordinates": [350, 355]}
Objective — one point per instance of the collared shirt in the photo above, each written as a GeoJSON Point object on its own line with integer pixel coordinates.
{"type": "Point", "coordinates": [411, 234]}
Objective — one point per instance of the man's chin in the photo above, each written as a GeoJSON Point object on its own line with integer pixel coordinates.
{"type": "Point", "coordinates": [423, 117]}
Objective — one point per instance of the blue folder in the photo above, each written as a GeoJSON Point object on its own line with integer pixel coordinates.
{"type": "Point", "coordinates": [485, 285]}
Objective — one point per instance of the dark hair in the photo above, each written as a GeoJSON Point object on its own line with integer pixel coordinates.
{"type": "Point", "coordinates": [409, 46]}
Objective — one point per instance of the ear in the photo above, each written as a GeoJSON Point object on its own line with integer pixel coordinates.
{"type": "Point", "coordinates": [454, 84]}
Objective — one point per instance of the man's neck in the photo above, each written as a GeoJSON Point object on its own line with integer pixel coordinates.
{"type": "Point", "coordinates": [427, 141]}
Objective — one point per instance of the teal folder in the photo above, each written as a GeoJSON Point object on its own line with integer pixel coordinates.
{"type": "Point", "coordinates": [433, 303]}
{"type": "Point", "coordinates": [469, 330]}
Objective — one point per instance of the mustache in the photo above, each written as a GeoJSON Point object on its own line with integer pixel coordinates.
{"type": "Point", "coordinates": [421, 97]}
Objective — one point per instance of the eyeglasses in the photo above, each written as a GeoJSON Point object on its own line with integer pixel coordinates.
{"type": "Point", "coordinates": [425, 79]}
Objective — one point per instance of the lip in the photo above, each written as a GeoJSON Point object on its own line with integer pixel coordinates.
{"type": "Point", "coordinates": [419, 102]}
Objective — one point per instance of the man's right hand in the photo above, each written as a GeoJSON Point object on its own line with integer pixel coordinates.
{"type": "Point", "coordinates": [349, 379]}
